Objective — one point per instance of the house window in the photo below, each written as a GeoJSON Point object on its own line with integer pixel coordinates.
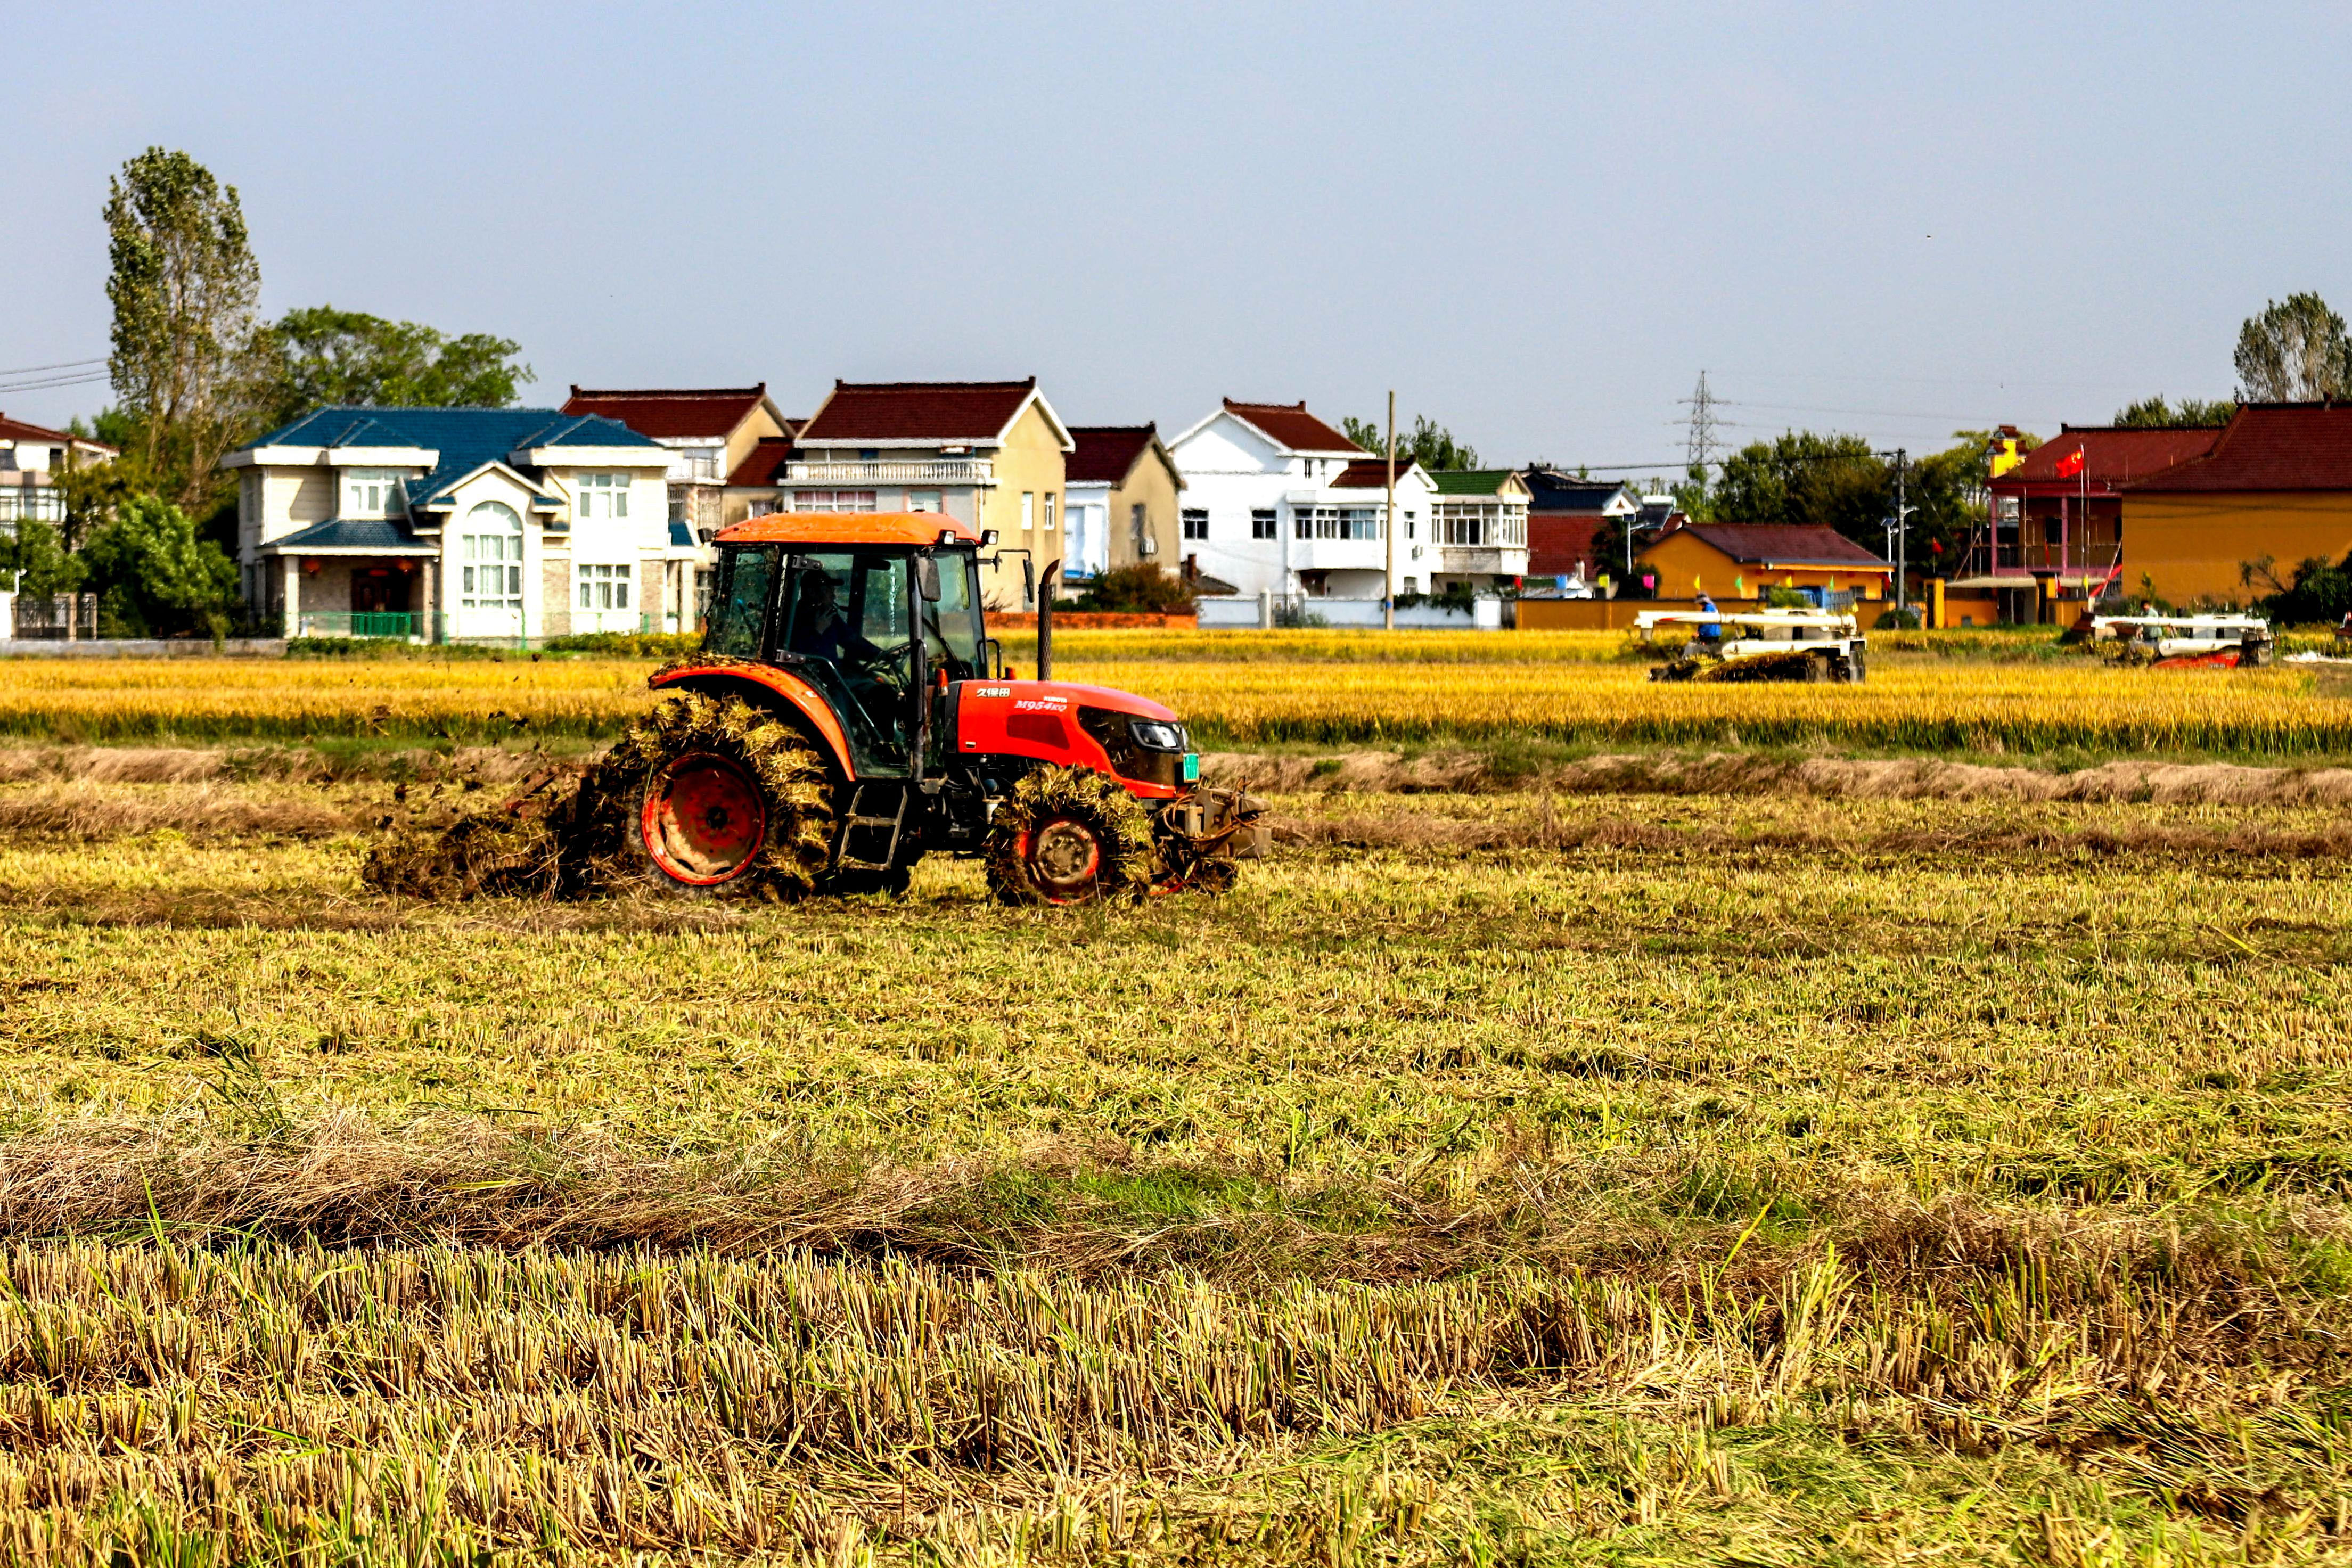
{"type": "Point", "coordinates": [1140, 522]}
{"type": "Point", "coordinates": [1196, 522]}
{"type": "Point", "coordinates": [489, 558]}
{"type": "Point", "coordinates": [1028, 510]}
{"type": "Point", "coordinates": [923, 501]}
{"type": "Point", "coordinates": [604, 587]}
{"type": "Point", "coordinates": [1467, 523]}
{"type": "Point", "coordinates": [1335, 522]}
{"type": "Point", "coordinates": [601, 495]}
{"type": "Point", "coordinates": [1261, 523]}
{"type": "Point", "coordinates": [1408, 525]}
{"type": "Point", "coordinates": [370, 492]}
{"type": "Point", "coordinates": [1049, 511]}
{"type": "Point", "coordinates": [834, 501]}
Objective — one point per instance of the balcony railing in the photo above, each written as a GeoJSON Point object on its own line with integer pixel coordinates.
{"type": "Point", "coordinates": [917, 471]}
{"type": "Point", "coordinates": [696, 471]}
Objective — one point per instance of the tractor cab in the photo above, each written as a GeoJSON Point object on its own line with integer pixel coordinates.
{"type": "Point", "coordinates": [877, 613]}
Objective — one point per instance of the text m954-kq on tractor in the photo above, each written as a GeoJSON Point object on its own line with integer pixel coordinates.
{"type": "Point", "coordinates": [849, 714]}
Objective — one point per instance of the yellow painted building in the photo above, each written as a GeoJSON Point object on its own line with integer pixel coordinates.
{"type": "Point", "coordinates": [2276, 490]}
{"type": "Point", "coordinates": [1741, 561]}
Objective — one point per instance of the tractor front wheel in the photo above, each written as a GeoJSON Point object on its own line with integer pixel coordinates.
{"type": "Point", "coordinates": [724, 798]}
{"type": "Point", "coordinates": [1069, 835]}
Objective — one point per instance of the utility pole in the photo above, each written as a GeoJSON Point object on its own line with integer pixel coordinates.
{"type": "Point", "coordinates": [1387, 526]}
{"type": "Point", "coordinates": [1902, 534]}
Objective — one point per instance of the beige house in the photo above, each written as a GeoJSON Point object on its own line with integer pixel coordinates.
{"type": "Point", "coordinates": [709, 432]}
{"type": "Point", "coordinates": [1120, 485]}
{"type": "Point", "coordinates": [442, 524]}
{"type": "Point", "coordinates": [989, 454]}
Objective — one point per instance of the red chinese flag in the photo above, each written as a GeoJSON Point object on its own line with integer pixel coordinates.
{"type": "Point", "coordinates": [2071, 465]}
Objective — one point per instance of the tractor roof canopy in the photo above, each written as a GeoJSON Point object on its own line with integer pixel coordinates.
{"type": "Point", "coordinates": [907, 530]}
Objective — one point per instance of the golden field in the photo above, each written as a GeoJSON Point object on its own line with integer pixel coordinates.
{"type": "Point", "coordinates": [1254, 689]}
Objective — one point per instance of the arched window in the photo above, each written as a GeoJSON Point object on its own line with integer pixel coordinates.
{"type": "Point", "coordinates": [490, 557]}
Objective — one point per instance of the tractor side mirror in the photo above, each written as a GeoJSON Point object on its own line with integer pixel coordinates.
{"type": "Point", "coordinates": [927, 578]}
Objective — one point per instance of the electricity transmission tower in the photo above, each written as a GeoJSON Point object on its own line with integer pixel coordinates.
{"type": "Point", "coordinates": [1698, 447]}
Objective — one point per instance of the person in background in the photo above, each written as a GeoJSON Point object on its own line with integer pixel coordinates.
{"type": "Point", "coordinates": [1710, 632]}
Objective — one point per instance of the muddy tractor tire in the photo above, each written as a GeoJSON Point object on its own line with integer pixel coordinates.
{"type": "Point", "coordinates": [1069, 835]}
{"type": "Point", "coordinates": [716, 797]}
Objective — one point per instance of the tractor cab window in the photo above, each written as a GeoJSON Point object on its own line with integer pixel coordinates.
{"type": "Point", "coordinates": [951, 625]}
{"type": "Point", "coordinates": [847, 613]}
{"type": "Point", "coordinates": [738, 610]}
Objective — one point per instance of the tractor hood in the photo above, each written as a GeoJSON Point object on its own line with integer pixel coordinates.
{"type": "Point", "coordinates": [1051, 696]}
{"type": "Point", "coordinates": [1070, 726]}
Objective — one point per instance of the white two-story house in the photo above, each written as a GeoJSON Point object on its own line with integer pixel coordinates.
{"type": "Point", "coordinates": [1277, 501]}
{"type": "Point", "coordinates": [459, 523]}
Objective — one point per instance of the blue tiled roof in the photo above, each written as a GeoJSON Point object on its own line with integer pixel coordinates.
{"type": "Point", "coordinates": [387, 535]}
{"type": "Point", "coordinates": [466, 438]}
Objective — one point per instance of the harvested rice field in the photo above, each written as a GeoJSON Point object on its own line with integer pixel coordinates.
{"type": "Point", "coordinates": [1834, 1152]}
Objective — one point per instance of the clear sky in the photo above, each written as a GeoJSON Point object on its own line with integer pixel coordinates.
{"type": "Point", "coordinates": [1537, 223]}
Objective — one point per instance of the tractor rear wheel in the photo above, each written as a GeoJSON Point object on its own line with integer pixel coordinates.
{"type": "Point", "coordinates": [722, 798]}
{"type": "Point", "coordinates": [1069, 835]}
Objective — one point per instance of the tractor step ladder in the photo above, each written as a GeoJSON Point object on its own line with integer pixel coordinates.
{"type": "Point", "coordinates": [860, 820]}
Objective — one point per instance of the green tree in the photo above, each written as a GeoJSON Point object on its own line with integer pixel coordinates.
{"type": "Point", "coordinates": [1429, 444]}
{"type": "Point", "coordinates": [334, 356]}
{"type": "Point", "coordinates": [193, 367]}
{"type": "Point", "coordinates": [1802, 476]}
{"type": "Point", "coordinates": [2188, 414]}
{"type": "Point", "coordinates": [36, 562]}
{"type": "Point", "coordinates": [2295, 351]}
{"type": "Point", "coordinates": [156, 575]}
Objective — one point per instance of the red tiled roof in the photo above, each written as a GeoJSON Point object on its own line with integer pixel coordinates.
{"type": "Point", "coordinates": [1369, 474]}
{"type": "Point", "coordinates": [660, 412]}
{"type": "Point", "coordinates": [1292, 425]}
{"type": "Point", "coordinates": [2111, 456]}
{"type": "Point", "coordinates": [759, 465]}
{"type": "Point", "coordinates": [17, 430]}
{"type": "Point", "coordinates": [1780, 544]}
{"type": "Point", "coordinates": [1559, 544]}
{"type": "Point", "coordinates": [1105, 452]}
{"type": "Point", "coordinates": [2270, 447]}
{"type": "Point", "coordinates": [957, 411]}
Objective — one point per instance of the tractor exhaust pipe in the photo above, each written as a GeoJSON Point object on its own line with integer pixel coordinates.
{"type": "Point", "coordinates": [1045, 619]}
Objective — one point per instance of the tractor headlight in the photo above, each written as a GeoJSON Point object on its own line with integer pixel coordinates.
{"type": "Point", "coordinates": [1153, 736]}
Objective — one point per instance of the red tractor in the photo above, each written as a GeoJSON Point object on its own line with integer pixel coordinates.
{"type": "Point", "coordinates": [849, 714]}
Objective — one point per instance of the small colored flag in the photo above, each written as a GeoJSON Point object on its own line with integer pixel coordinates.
{"type": "Point", "coordinates": [1739, 588]}
{"type": "Point", "coordinates": [2071, 465]}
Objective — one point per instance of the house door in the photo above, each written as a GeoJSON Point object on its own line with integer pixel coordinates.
{"type": "Point", "coordinates": [376, 589]}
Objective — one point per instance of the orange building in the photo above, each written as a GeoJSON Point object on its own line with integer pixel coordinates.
{"type": "Point", "coordinates": [1741, 561]}
{"type": "Point", "coordinates": [2231, 525]}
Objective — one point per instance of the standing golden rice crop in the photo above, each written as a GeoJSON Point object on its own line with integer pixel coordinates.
{"type": "Point", "coordinates": [1316, 695]}
{"type": "Point", "coordinates": [1986, 708]}
{"type": "Point", "coordinates": [293, 699]}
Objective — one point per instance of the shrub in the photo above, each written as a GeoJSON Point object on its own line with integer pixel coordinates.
{"type": "Point", "coordinates": [1139, 590]}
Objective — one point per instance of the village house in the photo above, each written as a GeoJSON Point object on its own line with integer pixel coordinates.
{"type": "Point", "coordinates": [1478, 528]}
{"type": "Point", "coordinates": [2055, 529]}
{"type": "Point", "coordinates": [709, 432]}
{"type": "Point", "coordinates": [1741, 561]}
{"type": "Point", "coordinates": [2232, 523]}
{"type": "Point", "coordinates": [1566, 513]}
{"type": "Point", "coordinates": [1122, 488]}
{"type": "Point", "coordinates": [989, 454]}
{"type": "Point", "coordinates": [459, 523]}
{"type": "Point", "coordinates": [1276, 501]}
{"type": "Point", "coordinates": [31, 457]}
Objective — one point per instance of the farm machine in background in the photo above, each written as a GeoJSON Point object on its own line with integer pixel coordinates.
{"type": "Point", "coordinates": [849, 714]}
{"type": "Point", "coordinates": [1761, 645]}
{"type": "Point", "coordinates": [2174, 641]}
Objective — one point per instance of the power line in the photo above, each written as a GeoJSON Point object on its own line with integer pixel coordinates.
{"type": "Point", "coordinates": [60, 365]}
{"type": "Point", "coordinates": [44, 383]}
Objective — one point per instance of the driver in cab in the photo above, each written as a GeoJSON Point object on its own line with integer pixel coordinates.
{"type": "Point", "coordinates": [819, 630]}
